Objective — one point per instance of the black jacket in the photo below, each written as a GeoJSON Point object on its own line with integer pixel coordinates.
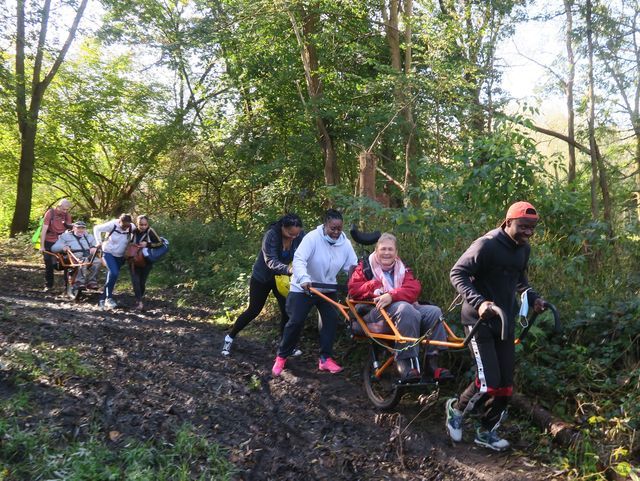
{"type": "Point", "coordinates": [494, 268]}
{"type": "Point", "coordinates": [269, 261]}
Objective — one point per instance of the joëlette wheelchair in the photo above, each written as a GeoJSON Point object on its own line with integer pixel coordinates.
{"type": "Point", "coordinates": [380, 375]}
{"type": "Point", "coordinates": [70, 264]}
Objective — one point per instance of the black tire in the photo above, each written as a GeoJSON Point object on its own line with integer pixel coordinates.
{"type": "Point", "coordinates": [383, 392]}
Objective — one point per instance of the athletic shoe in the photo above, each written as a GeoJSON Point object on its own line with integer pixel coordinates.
{"type": "Point", "coordinates": [329, 365]}
{"type": "Point", "coordinates": [109, 303]}
{"type": "Point", "coordinates": [454, 420]}
{"type": "Point", "coordinates": [226, 346]}
{"type": "Point", "coordinates": [296, 352]}
{"type": "Point", "coordinates": [491, 440]}
{"type": "Point", "coordinates": [101, 303]}
{"type": "Point", "coordinates": [278, 365]}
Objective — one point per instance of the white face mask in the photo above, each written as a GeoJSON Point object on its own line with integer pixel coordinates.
{"type": "Point", "coordinates": [524, 304]}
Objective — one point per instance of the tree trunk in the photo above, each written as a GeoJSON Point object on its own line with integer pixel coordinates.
{"type": "Point", "coordinates": [571, 64]}
{"type": "Point", "coordinates": [22, 211]}
{"type": "Point", "coordinates": [28, 118]}
{"type": "Point", "coordinates": [367, 180]}
{"type": "Point", "coordinates": [598, 168]}
{"type": "Point", "coordinates": [310, 64]}
{"type": "Point", "coordinates": [402, 90]}
{"type": "Point", "coordinates": [562, 432]}
{"type": "Point", "coordinates": [595, 206]}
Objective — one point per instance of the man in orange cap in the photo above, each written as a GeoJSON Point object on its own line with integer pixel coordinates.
{"type": "Point", "coordinates": [490, 273]}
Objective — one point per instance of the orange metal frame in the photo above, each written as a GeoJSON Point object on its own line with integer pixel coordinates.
{"type": "Point", "coordinates": [453, 341]}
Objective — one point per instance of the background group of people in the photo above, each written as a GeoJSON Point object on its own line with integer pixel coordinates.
{"type": "Point", "coordinates": [60, 234]}
{"type": "Point", "coordinates": [489, 274]}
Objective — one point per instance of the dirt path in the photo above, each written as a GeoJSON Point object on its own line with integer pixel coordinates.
{"type": "Point", "coordinates": [156, 370]}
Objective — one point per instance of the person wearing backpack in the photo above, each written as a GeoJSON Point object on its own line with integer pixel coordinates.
{"type": "Point", "coordinates": [56, 221]}
{"type": "Point", "coordinates": [119, 233]}
{"type": "Point", "coordinates": [147, 238]}
{"type": "Point", "coordinates": [83, 247]}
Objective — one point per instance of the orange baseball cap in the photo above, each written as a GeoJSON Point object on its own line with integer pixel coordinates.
{"type": "Point", "coordinates": [521, 210]}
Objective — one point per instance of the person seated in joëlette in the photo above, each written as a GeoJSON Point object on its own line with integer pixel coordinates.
{"type": "Point", "coordinates": [83, 246]}
{"type": "Point", "coordinates": [392, 286]}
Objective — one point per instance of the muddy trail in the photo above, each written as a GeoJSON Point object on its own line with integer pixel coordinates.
{"type": "Point", "coordinates": [155, 370]}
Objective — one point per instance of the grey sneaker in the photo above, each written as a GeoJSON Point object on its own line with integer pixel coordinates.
{"type": "Point", "coordinates": [226, 346]}
{"type": "Point", "coordinates": [454, 420]}
{"type": "Point", "coordinates": [101, 303]}
{"type": "Point", "coordinates": [491, 440]}
{"type": "Point", "coordinates": [109, 303]}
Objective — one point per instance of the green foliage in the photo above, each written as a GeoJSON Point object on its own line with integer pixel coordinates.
{"type": "Point", "coordinates": [34, 453]}
{"type": "Point", "coordinates": [212, 259]}
{"type": "Point", "coordinates": [32, 361]}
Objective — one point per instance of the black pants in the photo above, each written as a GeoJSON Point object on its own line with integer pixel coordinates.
{"type": "Point", "coordinates": [139, 279]}
{"type": "Point", "coordinates": [490, 392]}
{"type": "Point", "coordinates": [258, 293]}
{"type": "Point", "coordinates": [299, 304]}
{"type": "Point", "coordinates": [49, 262]}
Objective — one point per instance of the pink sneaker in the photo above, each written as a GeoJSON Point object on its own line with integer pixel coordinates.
{"type": "Point", "coordinates": [278, 366]}
{"type": "Point", "coordinates": [329, 365]}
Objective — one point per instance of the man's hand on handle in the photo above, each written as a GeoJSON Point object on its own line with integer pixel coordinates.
{"type": "Point", "coordinates": [539, 305]}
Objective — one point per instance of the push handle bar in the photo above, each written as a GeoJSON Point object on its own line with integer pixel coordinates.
{"type": "Point", "coordinates": [503, 328]}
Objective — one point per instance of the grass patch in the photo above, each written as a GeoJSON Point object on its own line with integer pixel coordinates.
{"type": "Point", "coordinates": [34, 454]}
{"type": "Point", "coordinates": [45, 360]}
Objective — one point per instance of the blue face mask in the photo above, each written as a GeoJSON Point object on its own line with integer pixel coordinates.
{"type": "Point", "coordinates": [329, 239]}
{"type": "Point", "coordinates": [524, 304]}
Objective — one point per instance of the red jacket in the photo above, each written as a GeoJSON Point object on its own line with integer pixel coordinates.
{"type": "Point", "coordinates": [361, 288]}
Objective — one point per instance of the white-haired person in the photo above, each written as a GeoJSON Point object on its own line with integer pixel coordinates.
{"type": "Point", "coordinates": [83, 246]}
{"type": "Point", "coordinates": [390, 283]}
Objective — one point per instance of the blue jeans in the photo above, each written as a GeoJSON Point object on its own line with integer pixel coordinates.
{"type": "Point", "coordinates": [298, 306]}
{"type": "Point", "coordinates": [113, 264]}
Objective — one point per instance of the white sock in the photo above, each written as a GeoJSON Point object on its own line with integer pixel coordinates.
{"type": "Point", "coordinates": [227, 338]}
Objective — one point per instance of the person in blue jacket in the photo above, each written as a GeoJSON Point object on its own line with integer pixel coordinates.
{"type": "Point", "coordinates": [322, 254]}
{"type": "Point", "coordinates": [279, 245]}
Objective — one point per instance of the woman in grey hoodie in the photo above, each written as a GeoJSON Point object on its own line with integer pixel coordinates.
{"type": "Point", "coordinates": [322, 254]}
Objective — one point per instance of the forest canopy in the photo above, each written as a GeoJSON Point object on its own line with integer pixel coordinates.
{"type": "Point", "coordinates": [215, 117]}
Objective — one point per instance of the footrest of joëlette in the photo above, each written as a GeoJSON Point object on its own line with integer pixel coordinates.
{"type": "Point", "coordinates": [421, 384]}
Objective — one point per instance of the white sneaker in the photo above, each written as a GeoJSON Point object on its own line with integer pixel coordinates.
{"type": "Point", "coordinates": [454, 421]}
{"type": "Point", "coordinates": [109, 303]}
{"type": "Point", "coordinates": [226, 346]}
{"type": "Point", "coordinates": [491, 440]}
{"type": "Point", "coordinates": [297, 352]}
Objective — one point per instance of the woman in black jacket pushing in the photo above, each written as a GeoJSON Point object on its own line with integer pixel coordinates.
{"type": "Point", "coordinates": [276, 254]}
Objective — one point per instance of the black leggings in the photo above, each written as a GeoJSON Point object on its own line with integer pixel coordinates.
{"type": "Point", "coordinates": [258, 293]}
{"type": "Point", "coordinates": [490, 392]}
{"type": "Point", "coordinates": [139, 279]}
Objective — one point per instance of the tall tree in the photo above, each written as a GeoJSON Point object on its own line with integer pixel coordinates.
{"type": "Point", "coordinates": [309, 55]}
{"type": "Point", "coordinates": [571, 74]}
{"type": "Point", "coordinates": [598, 170]}
{"type": "Point", "coordinates": [29, 96]}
